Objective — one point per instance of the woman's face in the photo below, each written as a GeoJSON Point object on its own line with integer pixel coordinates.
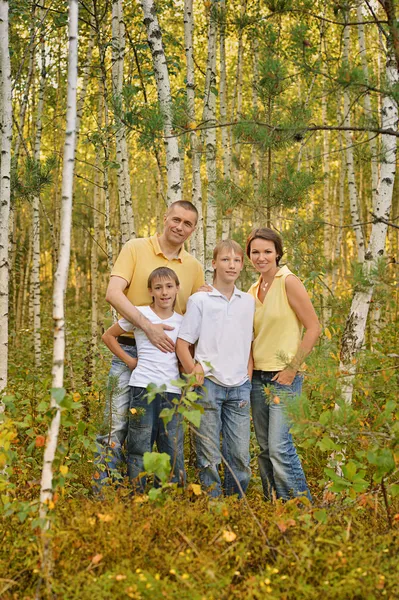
{"type": "Point", "coordinates": [263, 255]}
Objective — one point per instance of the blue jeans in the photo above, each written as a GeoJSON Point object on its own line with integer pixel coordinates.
{"type": "Point", "coordinates": [145, 428]}
{"type": "Point", "coordinates": [113, 431]}
{"type": "Point", "coordinates": [226, 412]}
{"type": "Point", "coordinates": [279, 465]}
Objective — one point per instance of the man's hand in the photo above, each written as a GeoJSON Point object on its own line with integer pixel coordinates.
{"type": "Point", "coordinates": [205, 288]}
{"type": "Point", "coordinates": [285, 377]}
{"type": "Point", "coordinates": [198, 371]}
{"type": "Point", "coordinates": [158, 337]}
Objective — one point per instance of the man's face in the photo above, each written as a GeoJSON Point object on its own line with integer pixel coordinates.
{"type": "Point", "coordinates": [179, 224]}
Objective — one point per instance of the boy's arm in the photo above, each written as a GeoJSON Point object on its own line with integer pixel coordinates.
{"type": "Point", "coordinates": [190, 367]}
{"type": "Point", "coordinates": [109, 339]}
{"type": "Point", "coordinates": [250, 365]}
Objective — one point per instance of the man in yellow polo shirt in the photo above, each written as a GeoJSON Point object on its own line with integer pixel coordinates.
{"type": "Point", "coordinates": [126, 290]}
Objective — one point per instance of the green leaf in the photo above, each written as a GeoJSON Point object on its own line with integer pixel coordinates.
{"type": "Point", "coordinates": [58, 394]}
{"type": "Point", "coordinates": [166, 415]}
{"type": "Point", "coordinates": [349, 470]}
{"type": "Point", "coordinates": [194, 416]}
{"type": "Point", "coordinates": [321, 515]}
{"type": "Point", "coordinates": [394, 490]}
{"type": "Point", "coordinates": [158, 464]}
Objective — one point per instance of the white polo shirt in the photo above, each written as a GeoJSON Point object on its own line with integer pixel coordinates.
{"type": "Point", "coordinates": [154, 366]}
{"type": "Point", "coordinates": [222, 329]}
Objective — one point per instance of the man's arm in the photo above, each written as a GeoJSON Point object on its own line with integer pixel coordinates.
{"type": "Point", "coordinates": [119, 301]}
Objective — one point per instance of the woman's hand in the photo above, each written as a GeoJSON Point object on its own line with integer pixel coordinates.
{"type": "Point", "coordinates": [285, 377]}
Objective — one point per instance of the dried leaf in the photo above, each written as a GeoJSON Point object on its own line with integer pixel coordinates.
{"type": "Point", "coordinates": [228, 536]}
{"type": "Point", "coordinates": [276, 400]}
{"type": "Point", "coordinates": [195, 488]}
{"type": "Point", "coordinates": [64, 469]}
{"type": "Point", "coordinates": [104, 517]}
{"type": "Point", "coordinates": [96, 559]}
{"type": "Point", "coordinates": [40, 441]}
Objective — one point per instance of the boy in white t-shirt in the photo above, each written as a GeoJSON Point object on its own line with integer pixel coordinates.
{"type": "Point", "coordinates": [220, 323]}
{"type": "Point", "coordinates": [152, 366]}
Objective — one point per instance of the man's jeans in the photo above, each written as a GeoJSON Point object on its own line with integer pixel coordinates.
{"type": "Point", "coordinates": [110, 440]}
{"type": "Point", "coordinates": [279, 465]}
{"type": "Point", "coordinates": [146, 427]}
{"type": "Point", "coordinates": [226, 412]}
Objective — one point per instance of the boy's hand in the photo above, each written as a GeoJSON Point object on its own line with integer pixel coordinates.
{"type": "Point", "coordinates": [198, 371]}
{"type": "Point", "coordinates": [131, 363]}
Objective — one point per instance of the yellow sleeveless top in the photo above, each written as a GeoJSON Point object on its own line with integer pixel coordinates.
{"type": "Point", "coordinates": [278, 331]}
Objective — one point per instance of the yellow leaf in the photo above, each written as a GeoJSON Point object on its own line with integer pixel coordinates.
{"type": "Point", "coordinates": [191, 125]}
{"type": "Point", "coordinates": [195, 488]}
{"type": "Point", "coordinates": [76, 396]}
{"type": "Point", "coordinates": [104, 517]}
{"type": "Point", "coordinates": [276, 400]}
{"type": "Point", "coordinates": [140, 499]}
{"type": "Point", "coordinates": [120, 577]}
{"type": "Point", "coordinates": [133, 411]}
{"type": "Point", "coordinates": [228, 536]}
{"type": "Point", "coordinates": [96, 559]}
{"type": "Point", "coordinates": [327, 333]}
{"type": "Point", "coordinates": [51, 504]}
{"type": "Point", "coordinates": [64, 469]}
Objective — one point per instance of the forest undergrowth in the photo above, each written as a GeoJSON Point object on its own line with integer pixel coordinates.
{"type": "Point", "coordinates": [344, 545]}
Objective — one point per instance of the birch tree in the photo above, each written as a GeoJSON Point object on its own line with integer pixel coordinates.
{"type": "Point", "coordinates": [122, 155]}
{"type": "Point", "coordinates": [61, 274]}
{"type": "Point", "coordinates": [353, 336]}
{"type": "Point", "coordinates": [154, 36]}
{"type": "Point", "coordinates": [5, 172]}
{"type": "Point", "coordinates": [226, 147]}
{"type": "Point", "coordinates": [36, 211]}
{"type": "Point", "coordinates": [197, 240]}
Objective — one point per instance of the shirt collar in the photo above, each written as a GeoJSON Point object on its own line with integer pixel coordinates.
{"type": "Point", "coordinates": [215, 292]}
{"type": "Point", "coordinates": [282, 271]}
{"type": "Point", "coordinates": [154, 241]}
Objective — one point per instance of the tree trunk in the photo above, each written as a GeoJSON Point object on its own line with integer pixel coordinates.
{"type": "Point", "coordinates": [36, 213]}
{"type": "Point", "coordinates": [226, 148]}
{"type": "Point", "coordinates": [350, 163]}
{"type": "Point", "coordinates": [5, 176]}
{"type": "Point", "coordinates": [353, 336]}
{"type": "Point", "coordinates": [122, 155]}
{"type": "Point", "coordinates": [61, 275]}
{"type": "Point", "coordinates": [161, 73]}
{"type": "Point", "coordinates": [210, 141]}
{"type": "Point", "coordinates": [197, 240]}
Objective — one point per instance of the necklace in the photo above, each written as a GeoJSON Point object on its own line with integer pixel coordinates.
{"type": "Point", "coordinates": [263, 286]}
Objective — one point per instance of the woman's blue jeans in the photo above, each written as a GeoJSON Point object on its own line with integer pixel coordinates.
{"type": "Point", "coordinates": [279, 465]}
{"type": "Point", "coordinates": [226, 413]}
{"type": "Point", "coordinates": [145, 428]}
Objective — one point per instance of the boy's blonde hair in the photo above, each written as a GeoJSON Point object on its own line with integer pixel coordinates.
{"type": "Point", "coordinates": [231, 245]}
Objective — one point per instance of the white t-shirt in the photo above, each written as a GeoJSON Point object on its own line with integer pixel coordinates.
{"type": "Point", "coordinates": [154, 366]}
{"type": "Point", "coordinates": [223, 330]}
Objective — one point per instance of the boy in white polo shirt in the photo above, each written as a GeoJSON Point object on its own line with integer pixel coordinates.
{"type": "Point", "coordinates": [220, 323]}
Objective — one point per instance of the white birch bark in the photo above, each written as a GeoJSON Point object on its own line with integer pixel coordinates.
{"type": "Point", "coordinates": [61, 275]}
{"type": "Point", "coordinates": [5, 176]}
{"type": "Point", "coordinates": [350, 163]}
{"type": "Point", "coordinates": [94, 266]}
{"type": "Point", "coordinates": [226, 148]}
{"type": "Point", "coordinates": [154, 36]}
{"type": "Point", "coordinates": [210, 141]}
{"type": "Point", "coordinates": [86, 67]}
{"type": "Point", "coordinates": [36, 212]}
{"type": "Point", "coordinates": [197, 240]}
{"type": "Point", "coordinates": [353, 336]}
{"type": "Point", "coordinates": [122, 155]}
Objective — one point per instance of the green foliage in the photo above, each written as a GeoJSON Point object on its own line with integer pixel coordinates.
{"type": "Point", "coordinates": [34, 178]}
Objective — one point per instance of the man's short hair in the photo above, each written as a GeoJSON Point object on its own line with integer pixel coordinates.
{"type": "Point", "coordinates": [186, 204]}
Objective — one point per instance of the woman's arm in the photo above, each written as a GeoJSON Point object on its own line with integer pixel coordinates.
{"type": "Point", "coordinates": [190, 367]}
{"type": "Point", "coordinates": [302, 306]}
{"type": "Point", "coordinates": [109, 339]}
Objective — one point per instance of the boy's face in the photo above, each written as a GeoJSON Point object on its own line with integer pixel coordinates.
{"type": "Point", "coordinates": [164, 292]}
{"type": "Point", "coordinates": [228, 265]}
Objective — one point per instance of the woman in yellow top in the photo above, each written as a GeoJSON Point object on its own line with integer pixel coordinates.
{"type": "Point", "coordinates": [283, 310]}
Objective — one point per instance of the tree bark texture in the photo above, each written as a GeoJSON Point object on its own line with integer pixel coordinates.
{"type": "Point", "coordinates": [154, 36]}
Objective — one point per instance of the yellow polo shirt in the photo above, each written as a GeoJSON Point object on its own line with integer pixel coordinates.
{"type": "Point", "coordinates": [139, 257]}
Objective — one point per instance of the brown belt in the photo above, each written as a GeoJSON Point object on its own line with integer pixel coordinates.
{"type": "Point", "coordinates": [127, 341]}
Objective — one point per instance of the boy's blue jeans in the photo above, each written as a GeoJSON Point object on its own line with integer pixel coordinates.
{"type": "Point", "coordinates": [145, 428]}
{"type": "Point", "coordinates": [226, 412]}
{"type": "Point", "coordinates": [279, 465]}
{"type": "Point", "coordinates": [113, 432]}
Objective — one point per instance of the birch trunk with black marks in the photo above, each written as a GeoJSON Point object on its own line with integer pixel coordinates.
{"type": "Point", "coordinates": [226, 154]}
{"type": "Point", "coordinates": [122, 155]}
{"type": "Point", "coordinates": [210, 141]}
{"type": "Point", "coordinates": [353, 336]}
{"type": "Point", "coordinates": [197, 239]}
{"type": "Point", "coordinates": [94, 267]}
{"type": "Point", "coordinates": [5, 178]}
{"type": "Point", "coordinates": [154, 36]}
{"type": "Point", "coordinates": [36, 211]}
{"type": "Point", "coordinates": [61, 276]}
{"type": "Point", "coordinates": [350, 162]}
